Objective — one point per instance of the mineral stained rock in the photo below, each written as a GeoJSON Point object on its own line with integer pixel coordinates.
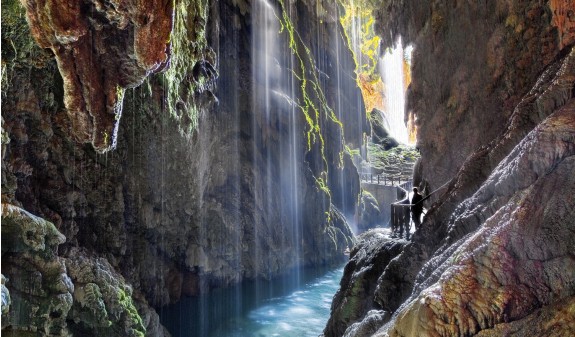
{"type": "Point", "coordinates": [368, 258]}
{"type": "Point", "coordinates": [519, 260]}
{"type": "Point", "coordinates": [552, 320]}
{"type": "Point", "coordinates": [493, 255]}
{"type": "Point", "coordinates": [197, 209]}
{"type": "Point", "coordinates": [102, 48]}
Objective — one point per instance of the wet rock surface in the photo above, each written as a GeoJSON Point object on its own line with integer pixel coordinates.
{"type": "Point", "coordinates": [368, 258]}
{"type": "Point", "coordinates": [492, 257]}
{"type": "Point", "coordinates": [168, 213]}
{"type": "Point", "coordinates": [101, 48]}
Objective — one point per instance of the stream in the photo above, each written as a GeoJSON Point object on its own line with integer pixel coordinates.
{"type": "Point", "coordinates": [297, 304]}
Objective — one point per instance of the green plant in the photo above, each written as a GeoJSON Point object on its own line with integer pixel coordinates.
{"type": "Point", "coordinates": [394, 160]}
{"type": "Point", "coordinates": [189, 47]}
{"type": "Point", "coordinates": [315, 108]}
{"type": "Point", "coordinates": [135, 325]}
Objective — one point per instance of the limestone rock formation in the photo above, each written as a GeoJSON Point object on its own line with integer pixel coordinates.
{"type": "Point", "coordinates": [103, 301]}
{"type": "Point", "coordinates": [101, 48]}
{"type": "Point", "coordinates": [453, 100]}
{"type": "Point", "coordinates": [492, 257]}
{"type": "Point", "coordinates": [56, 296]}
{"type": "Point", "coordinates": [169, 212]}
{"type": "Point", "coordinates": [368, 258]}
{"type": "Point", "coordinates": [519, 260]}
{"type": "Point", "coordinates": [40, 289]}
{"type": "Point", "coordinates": [552, 320]}
{"type": "Point", "coordinates": [368, 213]}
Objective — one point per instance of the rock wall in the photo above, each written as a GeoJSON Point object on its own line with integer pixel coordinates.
{"type": "Point", "coordinates": [384, 196]}
{"type": "Point", "coordinates": [490, 53]}
{"type": "Point", "coordinates": [168, 213]}
{"type": "Point", "coordinates": [367, 261]}
{"type": "Point", "coordinates": [493, 95]}
{"type": "Point", "coordinates": [101, 49]}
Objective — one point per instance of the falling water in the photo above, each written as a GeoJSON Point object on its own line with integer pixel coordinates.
{"type": "Point", "coordinates": [391, 68]}
{"type": "Point", "coordinates": [277, 134]}
{"type": "Point", "coordinates": [295, 301]}
{"type": "Point", "coordinates": [339, 110]}
{"type": "Point", "coordinates": [263, 72]}
{"type": "Point", "coordinates": [294, 156]}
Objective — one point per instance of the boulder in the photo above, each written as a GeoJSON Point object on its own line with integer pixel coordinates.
{"type": "Point", "coordinates": [367, 260]}
{"type": "Point", "coordinates": [368, 213]}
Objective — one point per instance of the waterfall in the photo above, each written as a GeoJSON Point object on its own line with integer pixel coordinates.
{"type": "Point", "coordinates": [277, 132]}
{"type": "Point", "coordinates": [391, 69]}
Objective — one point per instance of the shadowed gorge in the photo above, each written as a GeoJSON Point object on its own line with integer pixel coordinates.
{"type": "Point", "coordinates": [206, 168]}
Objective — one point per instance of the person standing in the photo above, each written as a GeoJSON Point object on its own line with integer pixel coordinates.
{"type": "Point", "coordinates": [416, 208]}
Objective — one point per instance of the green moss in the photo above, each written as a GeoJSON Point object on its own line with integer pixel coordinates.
{"type": "Point", "coordinates": [352, 152]}
{"type": "Point", "coordinates": [351, 306]}
{"type": "Point", "coordinates": [367, 194]}
{"type": "Point", "coordinates": [94, 302]}
{"type": "Point", "coordinates": [19, 50]}
{"type": "Point", "coordinates": [189, 48]}
{"type": "Point", "coordinates": [322, 185]}
{"type": "Point", "coordinates": [394, 161]}
{"type": "Point", "coordinates": [134, 323]}
{"type": "Point", "coordinates": [314, 108]}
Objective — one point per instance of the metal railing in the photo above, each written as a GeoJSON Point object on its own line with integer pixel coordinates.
{"type": "Point", "coordinates": [384, 179]}
{"type": "Point", "coordinates": [400, 212]}
{"type": "Point", "coordinates": [401, 209]}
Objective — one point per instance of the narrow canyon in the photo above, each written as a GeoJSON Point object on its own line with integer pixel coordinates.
{"type": "Point", "coordinates": [242, 168]}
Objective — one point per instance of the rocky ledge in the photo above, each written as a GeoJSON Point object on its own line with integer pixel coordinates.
{"type": "Point", "coordinates": [367, 260]}
{"type": "Point", "coordinates": [63, 296]}
{"type": "Point", "coordinates": [505, 265]}
{"type": "Point", "coordinates": [493, 256]}
{"type": "Point", "coordinates": [102, 48]}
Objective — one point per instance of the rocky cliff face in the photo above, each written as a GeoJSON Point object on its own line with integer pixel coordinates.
{"type": "Point", "coordinates": [492, 257]}
{"type": "Point", "coordinates": [101, 49]}
{"type": "Point", "coordinates": [168, 213]}
{"type": "Point", "coordinates": [490, 54]}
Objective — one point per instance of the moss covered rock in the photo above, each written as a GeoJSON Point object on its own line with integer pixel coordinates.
{"type": "Point", "coordinates": [40, 289]}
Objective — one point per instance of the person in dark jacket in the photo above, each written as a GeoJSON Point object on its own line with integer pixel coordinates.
{"type": "Point", "coordinates": [416, 208]}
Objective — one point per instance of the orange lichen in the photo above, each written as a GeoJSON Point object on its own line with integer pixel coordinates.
{"type": "Point", "coordinates": [372, 91]}
{"type": "Point", "coordinates": [564, 19]}
{"type": "Point", "coordinates": [411, 128]}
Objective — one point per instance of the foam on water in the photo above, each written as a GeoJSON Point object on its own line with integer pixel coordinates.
{"type": "Point", "coordinates": [288, 311]}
